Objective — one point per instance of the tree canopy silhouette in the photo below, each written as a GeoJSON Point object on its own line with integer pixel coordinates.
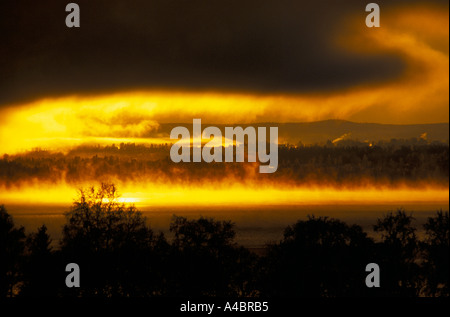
{"type": "Point", "coordinates": [206, 261]}
{"type": "Point", "coordinates": [119, 255]}
{"type": "Point", "coordinates": [12, 244]}
{"type": "Point", "coordinates": [398, 253]}
{"type": "Point", "coordinates": [98, 221]}
{"type": "Point", "coordinates": [111, 242]}
{"type": "Point", "coordinates": [436, 253]}
{"type": "Point", "coordinates": [317, 257]}
{"type": "Point", "coordinates": [40, 267]}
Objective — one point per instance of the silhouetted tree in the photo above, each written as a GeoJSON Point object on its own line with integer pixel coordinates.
{"type": "Point", "coordinates": [206, 261]}
{"type": "Point", "coordinates": [397, 255]}
{"type": "Point", "coordinates": [111, 243]}
{"type": "Point", "coordinates": [317, 257]}
{"type": "Point", "coordinates": [436, 254]}
{"type": "Point", "coordinates": [40, 269]}
{"type": "Point", "coordinates": [98, 221]}
{"type": "Point", "coordinates": [12, 243]}
{"type": "Point", "coordinates": [119, 255]}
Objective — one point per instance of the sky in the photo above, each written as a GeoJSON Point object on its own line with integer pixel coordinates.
{"type": "Point", "coordinates": [134, 64]}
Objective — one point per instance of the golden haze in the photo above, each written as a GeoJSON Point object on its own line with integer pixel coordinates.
{"type": "Point", "coordinates": [417, 34]}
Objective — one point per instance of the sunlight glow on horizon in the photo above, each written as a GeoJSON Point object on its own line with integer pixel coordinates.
{"type": "Point", "coordinates": [239, 195]}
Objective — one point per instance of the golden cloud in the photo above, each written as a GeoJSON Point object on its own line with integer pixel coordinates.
{"type": "Point", "coordinates": [421, 95]}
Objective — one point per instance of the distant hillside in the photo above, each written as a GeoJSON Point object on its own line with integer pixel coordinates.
{"type": "Point", "coordinates": [321, 131]}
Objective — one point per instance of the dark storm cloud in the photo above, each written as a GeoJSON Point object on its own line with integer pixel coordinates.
{"type": "Point", "coordinates": [261, 46]}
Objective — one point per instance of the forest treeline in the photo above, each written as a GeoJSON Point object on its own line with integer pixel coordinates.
{"type": "Point", "coordinates": [119, 255]}
{"type": "Point", "coordinates": [348, 163]}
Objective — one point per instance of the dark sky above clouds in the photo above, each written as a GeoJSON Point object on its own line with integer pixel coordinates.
{"type": "Point", "coordinates": [136, 64]}
{"type": "Point", "coordinates": [262, 46]}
